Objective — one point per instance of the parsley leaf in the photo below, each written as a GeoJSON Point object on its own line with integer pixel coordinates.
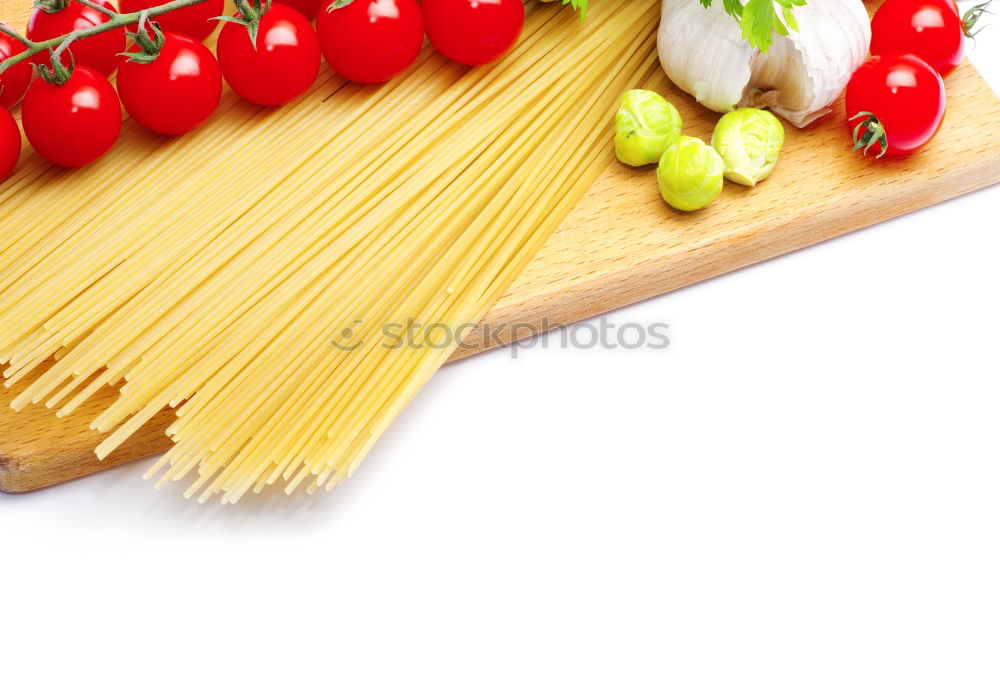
{"type": "Point", "coordinates": [579, 5]}
{"type": "Point", "coordinates": [760, 19]}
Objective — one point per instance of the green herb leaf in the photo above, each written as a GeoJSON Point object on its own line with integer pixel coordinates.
{"type": "Point", "coordinates": [580, 5]}
{"type": "Point", "coordinates": [761, 19]}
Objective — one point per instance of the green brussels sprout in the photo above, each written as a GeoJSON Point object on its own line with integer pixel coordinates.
{"type": "Point", "coordinates": [690, 174]}
{"type": "Point", "coordinates": [749, 141]}
{"type": "Point", "coordinates": [645, 126]}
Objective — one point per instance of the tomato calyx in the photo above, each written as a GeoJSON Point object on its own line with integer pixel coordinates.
{"type": "Point", "coordinates": [972, 17]}
{"type": "Point", "coordinates": [338, 4]}
{"type": "Point", "coordinates": [868, 132]}
{"type": "Point", "coordinates": [150, 46]}
{"type": "Point", "coordinates": [51, 6]}
{"type": "Point", "coordinates": [55, 72]}
{"type": "Point", "coordinates": [251, 12]}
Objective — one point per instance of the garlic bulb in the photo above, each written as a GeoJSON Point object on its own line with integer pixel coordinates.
{"type": "Point", "coordinates": [704, 53]}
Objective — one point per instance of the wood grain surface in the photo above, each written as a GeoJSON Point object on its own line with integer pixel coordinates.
{"type": "Point", "coordinates": [622, 244]}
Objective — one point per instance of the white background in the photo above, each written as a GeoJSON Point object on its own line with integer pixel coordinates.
{"type": "Point", "coordinates": [806, 482]}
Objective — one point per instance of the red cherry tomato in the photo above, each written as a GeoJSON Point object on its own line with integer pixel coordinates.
{"type": "Point", "coordinates": [473, 32]}
{"type": "Point", "coordinates": [903, 99]}
{"type": "Point", "coordinates": [930, 29]}
{"type": "Point", "coordinates": [10, 143]}
{"type": "Point", "coordinates": [307, 8]}
{"type": "Point", "coordinates": [194, 20]}
{"type": "Point", "coordinates": [74, 123]}
{"type": "Point", "coordinates": [100, 51]}
{"type": "Point", "coordinates": [13, 81]}
{"type": "Point", "coordinates": [284, 63]}
{"type": "Point", "coordinates": [371, 41]}
{"type": "Point", "coordinates": [176, 92]}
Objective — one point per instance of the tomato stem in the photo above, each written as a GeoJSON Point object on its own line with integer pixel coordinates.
{"type": "Point", "coordinates": [100, 8]}
{"type": "Point", "coordinates": [972, 17]}
{"type": "Point", "coordinates": [116, 20]}
{"type": "Point", "coordinates": [11, 33]}
{"type": "Point", "coordinates": [51, 6]}
{"type": "Point", "coordinates": [251, 12]}
{"type": "Point", "coordinates": [55, 73]}
{"type": "Point", "coordinates": [150, 45]}
{"type": "Point", "coordinates": [868, 132]}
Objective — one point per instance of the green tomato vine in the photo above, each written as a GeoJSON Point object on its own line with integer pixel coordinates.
{"type": "Point", "coordinates": [57, 45]}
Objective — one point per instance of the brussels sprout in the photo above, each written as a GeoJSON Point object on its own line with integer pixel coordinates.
{"type": "Point", "coordinates": [645, 126]}
{"type": "Point", "coordinates": [690, 174]}
{"type": "Point", "coordinates": [749, 141]}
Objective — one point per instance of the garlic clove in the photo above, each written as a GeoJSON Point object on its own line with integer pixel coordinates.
{"type": "Point", "coordinates": [704, 53]}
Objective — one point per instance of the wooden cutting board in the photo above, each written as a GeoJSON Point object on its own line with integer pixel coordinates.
{"type": "Point", "coordinates": [622, 244]}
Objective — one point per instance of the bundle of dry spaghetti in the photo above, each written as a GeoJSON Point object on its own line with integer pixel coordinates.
{"type": "Point", "coordinates": [216, 273]}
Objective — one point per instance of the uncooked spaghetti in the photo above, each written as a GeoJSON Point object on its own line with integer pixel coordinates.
{"type": "Point", "coordinates": [219, 279]}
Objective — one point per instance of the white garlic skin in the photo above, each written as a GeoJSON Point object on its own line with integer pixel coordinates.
{"type": "Point", "coordinates": [703, 52]}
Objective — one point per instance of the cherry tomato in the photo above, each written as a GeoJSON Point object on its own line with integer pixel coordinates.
{"type": "Point", "coordinates": [100, 51]}
{"type": "Point", "coordinates": [903, 101]}
{"type": "Point", "coordinates": [74, 123]}
{"type": "Point", "coordinates": [194, 20]}
{"type": "Point", "coordinates": [13, 81]}
{"type": "Point", "coordinates": [473, 32]}
{"type": "Point", "coordinates": [10, 143]}
{"type": "Point", "coordinates": [176, 92]}
{"type": "Point", "coordinates": [307, 8]}
{"type": "Point", "coordinates": [930, 29]}
{"type": "Point", "coordinates": [284, 63]}
{"type": "Point", "coordinates": [371, 41]}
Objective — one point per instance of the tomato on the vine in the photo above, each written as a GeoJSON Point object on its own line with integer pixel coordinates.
{"type": "Point", "coordinates": [282, 66]}
{"type": "Point", "coordinates": [74, 123]}
{"type": "Point", "coordinates": [13, 81]}
{"type": "Point", "coordinates": [930, 29]}
{"type": "Point", "coordinates": [896, 102]}
{"type": "Point", "coordinates": [307, 8]}
{"type": "Point", "coordinates": [175, 92]}
{"type": "Point", "coordinates": [100, 51]}
{"type": "Point", "coordinates": [10, 143]}
{"type": "Point", "coordinates": [195, 21]}
{"type": "Point", "coordinates": [370, 41]}
{"type": "Point", "coordinates": [473, 32]}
